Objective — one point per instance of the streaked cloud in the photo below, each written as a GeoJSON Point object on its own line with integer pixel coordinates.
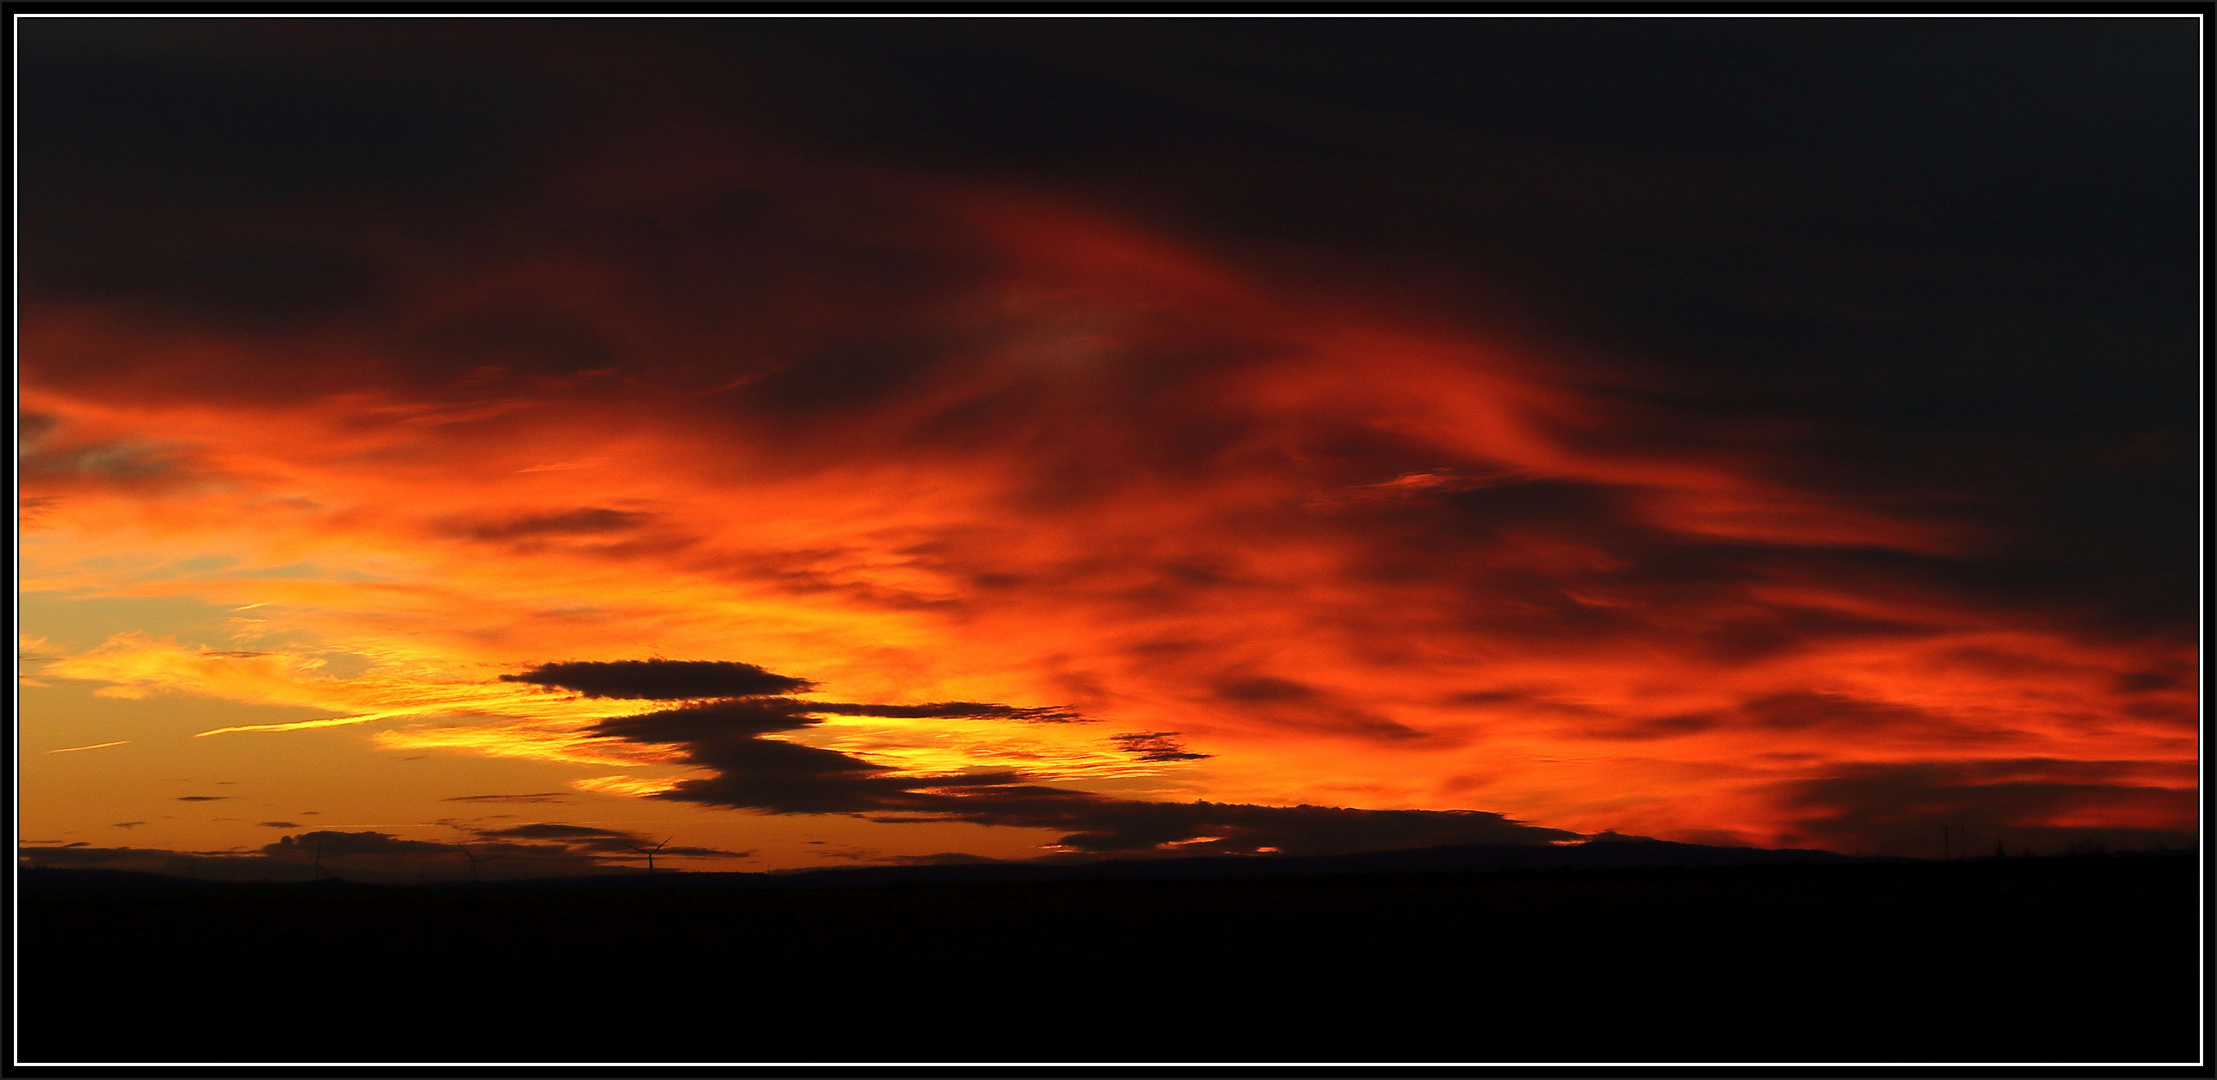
{"type": "Point", "coordinates": [1412, 436]}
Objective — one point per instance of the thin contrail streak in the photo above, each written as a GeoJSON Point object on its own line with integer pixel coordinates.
{"type": "Point", "coordinates": [95, 746]}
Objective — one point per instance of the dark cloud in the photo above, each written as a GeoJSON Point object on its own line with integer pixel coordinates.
{"type": "Point", "coordinates": [1681, 230]}
{"type": "Point", "coordinates": [585, 521]}
{"type": "Point", "coordinates": [781, 777]}
{"type": "Point", "coordinates": [533, 797]}
{"type": "Point", "coordinates": [227, 117]}
{"type": "Point", "coordinates": [1944, 226]}
{"type": "Point", "coordinates": [1522, 698]}
{"type": "Point", "coordinates": [280, 824]}
{"type": "Point", "coordinates": [229, 179]}
{"type": "Point", "coordinates": [789, 778]}
{"type": "Point", "coordinates": [587, 840]}
{"type": "Point", "coordinates": [2141, 682]}
{"type": "Point", "coordinates": [1659, 727]}
{"type": "Point", "coordinates": [239, 284]}
{"type": "Point", "coordinates": [1801, 709]}
{"type": "Point", "coordinates": [335, 844]}
{"type": "Point", "coordinates": [709, 721]}
{"type": "Point", "coordinates": [202, 798]}
{"type": "Point", "coordinates": [715, 722]}
{"type": "Point", "coordinates": [1104, 825]}
{"type": "Point", "coordinates": [1264, 688]}
{"type": "Point", "coordinates": [660, 680]}
{"type": "Point", "coordinates": [1842, 715]}
{"type": "Point", "coordinates": [1783, 629]}
{"type": "Point", "coordinates": [509, 339]}
{"type": "Point", "coordinates": [544, 831]}
{"type": "Point", "coordinates": [847, 377]}
{"type": "Point", "coordinates": [953, 710]}
{"type": "Point", "coordinates": [1154, 746]}
{"type": "Point", "coordinates": [1563, 562]}
{"type": "Point", "coordinates": [1290, 704]}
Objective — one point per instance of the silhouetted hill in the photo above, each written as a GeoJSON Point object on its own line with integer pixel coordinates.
{"type": "Point", "coordinates": [1783, 957]}
{"type": "Point", "coordinates": [1601, 854]}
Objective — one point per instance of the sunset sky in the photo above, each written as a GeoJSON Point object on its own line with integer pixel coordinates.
{"type": "Point", "coordinates": [871, 440]}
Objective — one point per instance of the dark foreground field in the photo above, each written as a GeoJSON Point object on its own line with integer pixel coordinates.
{"type": "Point", "coordinates": [2019, 960]}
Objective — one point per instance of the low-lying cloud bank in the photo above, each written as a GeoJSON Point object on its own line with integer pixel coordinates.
{"type": "Point", "coordinates": [729, 737]}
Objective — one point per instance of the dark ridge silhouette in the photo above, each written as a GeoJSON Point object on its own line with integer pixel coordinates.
{"type": "Point", "coordinates": [967, 870]}
{"type": "Point", "coordinates": [1774, 959]}
{"type": "Point", "coordinates": [1459, 858]}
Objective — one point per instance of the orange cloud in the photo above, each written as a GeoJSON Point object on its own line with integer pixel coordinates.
{"type": "Point", "coordinates": [1355, 562]}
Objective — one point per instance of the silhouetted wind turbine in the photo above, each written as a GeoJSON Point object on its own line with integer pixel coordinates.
{"type": "Point", "coordinates": [474, 859]}
{"type": "Point", "coordinates": [649, 853]}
